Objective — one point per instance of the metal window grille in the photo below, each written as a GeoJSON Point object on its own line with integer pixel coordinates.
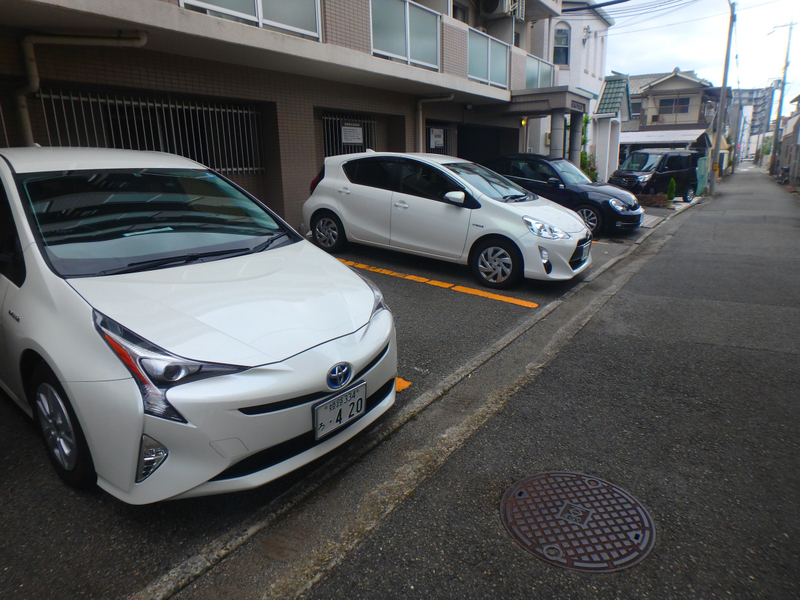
{"type": "Point", "coordinates": [440, 138]}
{"type": "Point", "coordinates": [225, 137]}
{"type": "Point", "coordinates": [344, 134]}
{"type": "Point", "coordinates": [4, 138]}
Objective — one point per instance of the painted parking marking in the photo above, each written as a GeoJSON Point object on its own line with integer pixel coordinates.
{"type": "Point", "coordinates": [401, 384]}
{"type": "Point", "coordinates": [441, 284]}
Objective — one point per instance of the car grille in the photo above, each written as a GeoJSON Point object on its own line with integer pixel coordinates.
{"type": "Point", "coordinates": [623, 181]}
{"type": "Point", "coordinates": [263, 409]}
{"type": "Point", "coordinates": [277, 454]}
{"type": "Point", "coordinates": [577, 259]}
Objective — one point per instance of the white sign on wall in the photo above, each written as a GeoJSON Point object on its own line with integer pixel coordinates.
{"type": "Point", "coordinates": [352, 134]}
{"type": "Point", "coordinates": [437, 138]}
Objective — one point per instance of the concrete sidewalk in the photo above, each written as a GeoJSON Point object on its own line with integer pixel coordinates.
{"type": "Point", "coordinates": [683, 390]}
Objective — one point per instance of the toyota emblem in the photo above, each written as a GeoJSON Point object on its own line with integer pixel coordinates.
{"type": "Point", "coordinates": [339, 375]}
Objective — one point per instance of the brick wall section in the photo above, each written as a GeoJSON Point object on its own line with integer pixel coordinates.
{"type": "Point", "coordinates": [297, 99]}
{"type": "Point", "coordinates": [455, 50]}
{"type": "Point", "coordinates": [346, 23]}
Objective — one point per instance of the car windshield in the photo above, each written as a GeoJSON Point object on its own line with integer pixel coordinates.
{"type": "Point", "coordinates": [490, 183]}
{"type": "Point", "coordinates": [102, 222]}
{"type": "Point", "coordinates": [569, 172]}
{"type": "Point", "coordinates": [641, 161]}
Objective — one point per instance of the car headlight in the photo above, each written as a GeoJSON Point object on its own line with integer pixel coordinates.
{"type": "Point", "coordinates": [378, 303]}
{"type": "Point", "coordinates": [155, 369]}
{"type": "Point", "coordinates": [644, 178]}
{"type": "Point", "coordinates": [545, 230]}
{"type": "Point", "coordinates": [618, 206]}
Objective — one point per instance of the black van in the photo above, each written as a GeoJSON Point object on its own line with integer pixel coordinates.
{"type": "Point", "coordinates": [649, 171]}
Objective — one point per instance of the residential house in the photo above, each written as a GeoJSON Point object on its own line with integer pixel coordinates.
{"type": "Point", "coordinates": [575, 42]}
{"type": "Point", "coordinates": [670, 110]}
{"type": "Point", "coordinates": [264, 90]}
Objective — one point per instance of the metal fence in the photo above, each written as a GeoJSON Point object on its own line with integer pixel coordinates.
{"type": "Point", "coordinates": [344, 134]}
{"type": "Point", "coordinates": [225, 137]}
{"type": "Point", "coordinates": [4, 137]}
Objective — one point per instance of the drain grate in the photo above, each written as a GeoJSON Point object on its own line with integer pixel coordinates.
{"type": "Point", "coordinates": [577, 522]}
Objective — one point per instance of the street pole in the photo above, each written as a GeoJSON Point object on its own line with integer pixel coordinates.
{"type": "Point", "coordinates": [712, 180]}
{"type": "Point", "coordinates": [775, 140]}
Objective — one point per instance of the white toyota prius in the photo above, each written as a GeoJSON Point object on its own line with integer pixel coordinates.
{"type": "Point", "coordinates": [170, 334]}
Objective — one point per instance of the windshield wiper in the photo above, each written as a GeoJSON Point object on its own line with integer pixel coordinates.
{"type": "Point", "coordinates": [515, 197]}
{"type": "Point", "coordinates": [264, 245]}
{"type": "Point", "coordinates": [181, 259]}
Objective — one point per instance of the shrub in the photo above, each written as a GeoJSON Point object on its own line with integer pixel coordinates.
{"type": "Point", "coordinates": [671, 190]}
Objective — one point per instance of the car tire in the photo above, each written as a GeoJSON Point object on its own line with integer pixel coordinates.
{"type": "Point", "coordinates": [593, 218]}
{"type": "Point", "coordinates": [496, 263]}
{"type": "Point", "coordinates": [61, 432]}
{"type": "Point", "coordinates": [328, 232]}
{"type": "Point", "coordinates": [688, 194]}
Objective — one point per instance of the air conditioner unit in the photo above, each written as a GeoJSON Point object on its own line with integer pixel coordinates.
{"type": "Point", "coordinates": [492, 9]}
{"type": "Point", "coordinates": [519, 11]}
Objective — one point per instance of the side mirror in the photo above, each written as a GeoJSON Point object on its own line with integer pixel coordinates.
{"type": "Point", "coordinates": [553, 181]}
{"type": "Point", "coordinates": [455, 197]}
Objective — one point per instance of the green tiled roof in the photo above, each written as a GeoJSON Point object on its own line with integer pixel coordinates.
{"type": "Point", "coordinates": [615, 92]}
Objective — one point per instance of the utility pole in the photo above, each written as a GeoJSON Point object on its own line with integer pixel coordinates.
{"type": "Point", "coordinates": [712, 180]}
{"type": "Point", "coordinates": [775, 140]}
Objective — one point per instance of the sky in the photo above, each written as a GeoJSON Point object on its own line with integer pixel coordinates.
{"type": "Point", "coordinates": [655, 36]}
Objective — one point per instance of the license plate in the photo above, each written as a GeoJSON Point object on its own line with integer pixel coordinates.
{"type": "Point", "coordinates": [585, 253]}
{"type": "Point", "coordinates": [339, 411]}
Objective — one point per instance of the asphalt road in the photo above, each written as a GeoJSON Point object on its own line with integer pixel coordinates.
{"type": "Point", "coordinates": [58, 542]}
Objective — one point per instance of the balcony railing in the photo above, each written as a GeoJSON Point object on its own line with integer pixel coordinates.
{"type": "Point", "coordinates": [403, 30]}
{"type": "Point", "coordinates": [488, 59]}
{"type": "Point", "coordinates": [538, 73]}
{"type": "Point", "coordinates": [297, 16]}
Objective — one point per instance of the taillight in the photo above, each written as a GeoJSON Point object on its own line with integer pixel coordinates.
{"type": "Point", "coordinates": [316, 180]}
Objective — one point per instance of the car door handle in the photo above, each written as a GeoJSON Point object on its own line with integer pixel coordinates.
{"type": "Point", "coordinates": [401, 204]}
{"type": "Point", "coordinates": [344, 190]}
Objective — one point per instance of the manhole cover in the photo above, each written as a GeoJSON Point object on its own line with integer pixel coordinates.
{"type": "Point", "coordinates": [577, 522]}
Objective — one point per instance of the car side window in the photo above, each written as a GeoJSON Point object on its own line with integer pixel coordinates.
{"type": "Point", "coordinates": [12, 264]}
{"type": "Point", "coordinates": [544, 171]}
{"type": "Point", "coordinates": [504, 167]}
{"type": "Point", "coordinates": [524, 169]}
{"type": "Point", "coordinates": [418, 179]}
{"type": "Point", "coordinates": [675, 163]}
{"type": "Point", "coordinates": [373, 172]}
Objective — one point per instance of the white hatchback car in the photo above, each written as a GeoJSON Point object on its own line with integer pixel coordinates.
{"type": "Point", "coordinates": [446, 208]}
{"type": "Point", "coordinates": [171, 335]}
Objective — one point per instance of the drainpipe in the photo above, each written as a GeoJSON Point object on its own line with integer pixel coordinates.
{"type": "Point", "coordinates": [32, 70]}
{"type": "Point", "coordinates": [420, 127]}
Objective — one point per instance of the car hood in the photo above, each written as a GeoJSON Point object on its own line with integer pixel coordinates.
{"type": "Point", "coordinates": [250, 310]}
{"type": "Point", "coordinates": [548, 211]}
{"type": "Point", "coordinates": [609, 190]}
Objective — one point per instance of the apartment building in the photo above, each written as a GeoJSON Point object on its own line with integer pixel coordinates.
{"type": "Point", "coordinates": [263, 90]}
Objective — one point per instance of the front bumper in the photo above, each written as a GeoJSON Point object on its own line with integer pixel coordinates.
{"type": "Point", "coordinates": [250, 428]}
{"type": "Point", "coordinates": [627, 220]}
{"type": "Point", "coordinates": [566, 258]}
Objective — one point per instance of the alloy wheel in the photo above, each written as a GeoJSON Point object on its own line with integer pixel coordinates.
{"type": "Point", "coordinates": [59, 434]}
{"type": "Point", "coordinates": [495, 264]}
{"type": "Point", "coordinates": [326, 232]}
{"type": "Point", "coordinates": [589, 217]}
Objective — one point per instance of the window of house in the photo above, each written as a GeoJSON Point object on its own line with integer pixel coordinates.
{"type": "Point", "coordinates": [669, 106]}
{"type": "Point", "coordinates": [460, 13]}
{"type": "Point", "coordinates": [561, 46]}
{"type": "Point", "coordinates": [636, 108]}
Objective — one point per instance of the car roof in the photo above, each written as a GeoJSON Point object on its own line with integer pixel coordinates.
{"type": "Point", "coordinates": [441, 159]}
{"type": "Point", "coordinates": [664, 151]}
{"type": "Point", "coordinates": [36, 160]}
